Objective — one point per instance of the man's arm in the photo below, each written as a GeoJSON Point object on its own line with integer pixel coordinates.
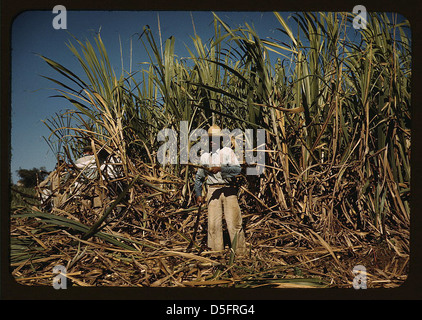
{"type": "Point", "coordinates": [232, 167]}
{"type": "Point", "coordinates": [230, 171]}
{"type": "Point", "coordinates": [199, 180]}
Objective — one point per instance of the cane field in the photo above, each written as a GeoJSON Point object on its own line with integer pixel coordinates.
{"type": "Point", "coordinates": [334, 195]}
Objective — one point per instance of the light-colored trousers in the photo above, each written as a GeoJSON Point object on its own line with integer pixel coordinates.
{"type": "Point", "coordinates": [224, 199]}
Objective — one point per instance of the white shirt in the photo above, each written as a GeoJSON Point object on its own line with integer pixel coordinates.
{"type": "Point", "coordinates": [224, 158]}
{"type": "Point", "coordinates": [88, 165]}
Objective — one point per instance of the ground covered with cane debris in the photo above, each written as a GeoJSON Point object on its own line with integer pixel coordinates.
{"type": "Point", "coordinates": [132, 252]}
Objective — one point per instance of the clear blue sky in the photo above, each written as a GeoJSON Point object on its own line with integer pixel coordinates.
{"type": "Point", "coordinates": [33, 33]}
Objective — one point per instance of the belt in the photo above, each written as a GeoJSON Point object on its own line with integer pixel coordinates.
{"type": "Point", "coordinates": [220, 185]}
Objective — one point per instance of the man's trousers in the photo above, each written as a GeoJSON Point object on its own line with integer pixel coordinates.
{"type": "Point", "coordinates": [224, 200]}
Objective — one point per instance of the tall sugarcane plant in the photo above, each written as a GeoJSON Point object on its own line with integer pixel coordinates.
{"type": "Point", "coordinates": [334, 101]}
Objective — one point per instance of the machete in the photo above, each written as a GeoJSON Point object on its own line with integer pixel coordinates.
{"type": "Point", "coordinates": [198, 215]}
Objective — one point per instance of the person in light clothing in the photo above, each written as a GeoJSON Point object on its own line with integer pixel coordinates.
{"type": "Point", "coordinates": [87, 163]}
{"type": "Point", "coordinates": [220, 168]}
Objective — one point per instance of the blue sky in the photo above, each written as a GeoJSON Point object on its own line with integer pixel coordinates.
{"type": "Point", "coordinates": [33, 33]}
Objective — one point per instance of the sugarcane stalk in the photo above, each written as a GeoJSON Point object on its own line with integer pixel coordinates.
{"type": "Point", "coordinates": [107, 212]}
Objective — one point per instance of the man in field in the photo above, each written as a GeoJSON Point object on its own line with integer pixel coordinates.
{"type": "Point", "coordinates": [87, 163]}
{"type": "Point", "coordinates": [89, 192]}
{"type": "Point", "coordinates": [220, 166]}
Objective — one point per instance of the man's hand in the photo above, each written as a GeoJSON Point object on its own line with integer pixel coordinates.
{"type": "Point", "coordinates": [214, 170]}
{"type": "Point", "coordinates": [200, 200]}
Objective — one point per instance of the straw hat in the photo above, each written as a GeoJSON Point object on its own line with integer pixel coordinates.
{"type": "Point", "coordinates": [215, 131]}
